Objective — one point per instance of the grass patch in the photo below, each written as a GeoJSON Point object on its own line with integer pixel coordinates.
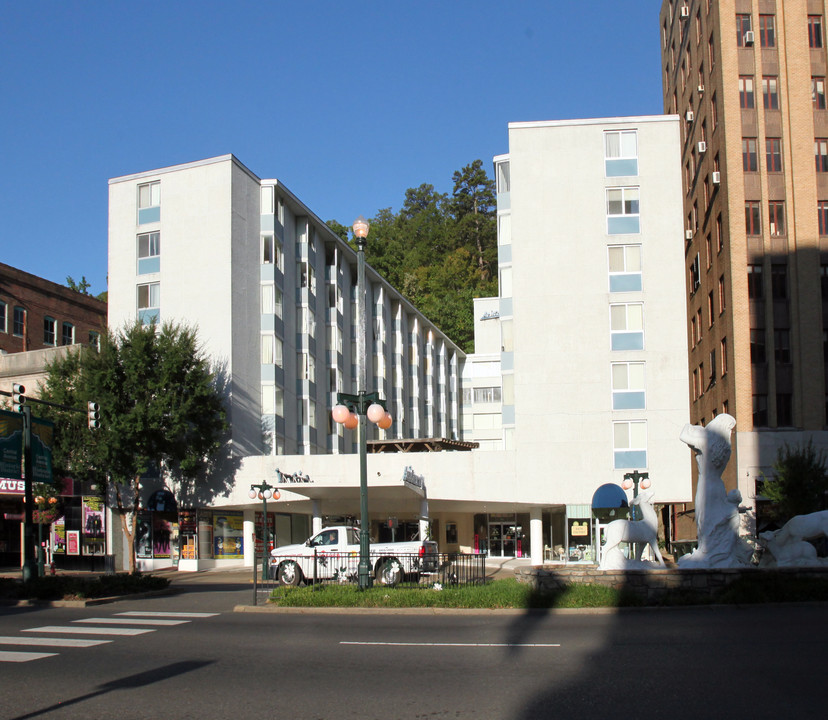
{"type": "Point", "coordinates": [63, 587]}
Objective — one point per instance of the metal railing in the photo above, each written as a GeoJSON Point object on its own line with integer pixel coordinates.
{"type": "Point", "coordinates": [398, 571]}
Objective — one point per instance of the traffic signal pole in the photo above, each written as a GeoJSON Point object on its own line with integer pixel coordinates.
{"type": "Point", "coordinates": [29, 562]}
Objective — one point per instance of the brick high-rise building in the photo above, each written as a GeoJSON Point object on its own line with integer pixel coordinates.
{"type": "Point", "coordinates": [747, 78]}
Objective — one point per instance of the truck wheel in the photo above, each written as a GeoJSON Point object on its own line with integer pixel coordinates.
{"type": "Point", "coordinates": [389, 572]}
{"type": "Point", "coordinates": [290, 574]}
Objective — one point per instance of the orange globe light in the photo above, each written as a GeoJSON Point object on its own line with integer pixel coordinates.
{"type": "Point", "coordinates": [627, 484]}
{"type": "Point", "coordinates": [276, 494]}
{"type": "Point", "coordinates": [40, 500]}
{"type": "Point", "coordinates": [386, 422]}
{"type": "Point", "coordinates": [376, 412]}
{"type": "Point", "coordinates": [645, 483]}
{"type": "Point", "coordinates": [340, 413]}
{"type": "Point", "coordinates": [352, 421]}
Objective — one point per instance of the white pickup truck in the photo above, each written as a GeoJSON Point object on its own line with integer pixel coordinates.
{"type": "Point", "coordinates": [335, 553]}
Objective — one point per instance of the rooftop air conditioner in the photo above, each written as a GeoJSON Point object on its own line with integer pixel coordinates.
{"type": "Point", "coordinates": [749, 38]}
{"type": "Point", "coordinates": [689, 116]}
{"type": "Point", "coordinates": [702, 146]}
{"type": "Point", "coordinates": [717, 177]}
{"type": "Point", "coordinates": [685, 12]}
{"type": "Point", "coordinates": [688, 234]}
{"type": "Point", "coordinates": [701, 89]}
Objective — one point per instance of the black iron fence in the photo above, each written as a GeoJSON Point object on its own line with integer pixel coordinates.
{"type": "Point", "coordinates": [398, 571]}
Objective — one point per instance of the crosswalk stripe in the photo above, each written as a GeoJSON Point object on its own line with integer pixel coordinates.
{"type": "Point", "coordinates": [131, 621]}
{"type": "Point", "coordinates": [76, 630]}
{"type": "Point", "coordinates": [54, 642]}
{"type": "Point", "coordinates": [136, 613]}
{"type": "Point", "coordinates": [21, 657]}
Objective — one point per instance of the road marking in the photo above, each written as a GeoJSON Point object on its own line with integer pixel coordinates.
{"type": "Point", "coordinates": [21, 657]}
{"type": "Point", "coordinates": [54, 642]}
{"type": "Point", "coordinates": [436, 644]}
{"type": "Point", "coordinates": [130, 621]}
{"type": "Point", "coordinates": [136, 613]}
{"type": "Point", "coordinates": [90, 630]}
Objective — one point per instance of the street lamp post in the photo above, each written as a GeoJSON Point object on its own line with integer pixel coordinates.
{"type": "Point", "coordinates": [633, 480]}
{"type": "Point", "coordinates": [264, 492]}
{"type": "Point", "coordinates": [355, 410]}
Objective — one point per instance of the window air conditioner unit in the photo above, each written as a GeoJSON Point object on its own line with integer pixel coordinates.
{"type": "Point", "coordinates": [685, 12]}
{"type": "Point", "coordinates": [702, 146]}
{"type": "Point", "coordinates": [701, 89]}
{"type": "Point", "coordinates": [717, 177]}
{"type": "Point", "coordinates": [749, 38]}
{"type": "Point", "coordinates": [688, 234]}
{"type": "Point", "coordinates": [689, 116]}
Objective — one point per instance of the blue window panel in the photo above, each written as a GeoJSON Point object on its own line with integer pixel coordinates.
{"type": "Point", "coordinates": [622, 167]}
{"type": "Point", "coordinates": [630, 459]}
{"type": "Point", "coordinates": [625, 283]}
{"type": "Point", "coordinates": [507, 361]}
{"type": "Point", "coordinates": [149, 265]}
{"type": "Point", "coordinates": [504, 201]}
{"type": "Point", "coordinates": [623, 225]}
{"type": "Point", "coordinates": [149, 215]}
{"type": "Point", "coordinates": [268, 323]}
{"type": "Point", "coordinates": [268, 373]}
{"type": "Point", "coordinates": [149, 316]}
{"type": "Point", "coordinates": [504, 254]}
{"type": "Point", "coordinates": [268, 223]}
{"type": "Point", "coordinates": [507, 413]}
{"type": "Point", "coordinates": [505, 307]}
{"type": "Point", "coordinates": [628, 340]}
{"type": "Point", "coordinates": [632, 400]}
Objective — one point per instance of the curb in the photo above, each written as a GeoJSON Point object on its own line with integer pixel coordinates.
{"type": "Point", "coordinates": [90, 602]}
{"type": "Point", "coordinates": [423, 611]}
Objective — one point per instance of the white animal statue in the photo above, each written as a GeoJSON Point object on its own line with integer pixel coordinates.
{"type": "Point", "coordinates": [789, 545]}
{"type": "Point", "coordinates": [641, 532]}
{"type": "Point", "coordinates": [717, 512]}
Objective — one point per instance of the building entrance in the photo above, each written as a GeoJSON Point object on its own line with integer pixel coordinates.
{"type": "Point", "coordinates": [502, 539]}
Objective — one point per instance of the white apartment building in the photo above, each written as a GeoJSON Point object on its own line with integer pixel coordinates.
{"type": "Point", "coordinates": [579, 377]}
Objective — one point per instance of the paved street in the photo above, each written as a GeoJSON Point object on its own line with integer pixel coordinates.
{"type": "Point", "coordinates": [188, 655]}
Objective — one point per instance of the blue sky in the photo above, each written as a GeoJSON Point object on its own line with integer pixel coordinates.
{"type": "Point", "coordinates": [347, 103]}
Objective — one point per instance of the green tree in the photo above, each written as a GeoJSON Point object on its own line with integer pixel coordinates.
{"type": "Point", "coordinates": [81, 287]}
{"type": "Point", "coordinates": [160, 406]}
{"type": "Point", "coordinates": [801, 481]}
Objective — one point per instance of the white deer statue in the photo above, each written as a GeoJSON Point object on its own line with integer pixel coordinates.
{"type": "Point", "coordinates": [641, 532]}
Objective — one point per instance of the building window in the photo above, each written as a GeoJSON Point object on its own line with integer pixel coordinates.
{"type": "Point", "coordinates": [746, 95]}
{"type": "Point", "coordinates": [784, 410]}
{"type": "Point", "coordinates": [818, 92]}
{"type": "Point", "coordinates": [306, 366]}
{"type": "Point", "coordinates": [628, 386]}
{"type": "Point", "coordinates": [67, 334]}
{"type": "Point", "coordinates": [815, 31]}
{"type": "Point", "coordinates": [19, 321]}
{"type": "Point", "coordinates": [821, 154]}
{"type": "Point", "coordinates": [149, 202]}
{"type": "Point", "coordinates": [767, 31]}
{"type": "Point", "coordinates": [623, 211]}
{"type": "Point", "coordinates": [760, 411]}
{"type": "Point", "coordinates": [779, 281]}
{"type": "Point", "coordinates": [627, 326]}
{"type": "Point", "coordinates": [48, 331]}
{"type": "Point", "coordinates": [742, 27]}
{"type": "Point", "coordinates": [773, 154]}
{"type": "Point", "coordinates": [722, 298]}
{"type": "Point", "coordinates": [487, 395]}
{"type": "Point", "coordinates": [757, 346]}
{"type": "Point", "coordinates": [95, 340]}
{"type": "Point", "coordinates": [630, 444]}
{"type": "Point", "coordinates": [823, 276]}
{"type": "Point", "coordinates": [149, 303]}
{"type": "Point", "coordinates": [4, 322]}
{"type": "Point", "coordinates": [621, 153]}
{"type": "Point", "coordinates": [272, 252]}
{"type": "Point", "coordinates": [695, 274]}
{"type": "Point", "coordinates": [822, 213]}
{"type": "Point", "coordinates": [149, 253]}
{"type": "Point", "coordinates": [776, 218]}
{"type": "Point", "coordinates": [755, 284]}
{"type": "Point", "coordinates": [753, 215]}
{"type": "Point", "coordinates": [272, 350]}
{"type": "Point", "coordinates": [708, 251]}
{"type": "Point", "coordinates": [710, 309]}
{"type": "Point", "coordinates": [749, 155]}
{"type": "Point", "coordinates": [723, 354]}
{"type": "Point", "coordinates": [624, 268]}
{"type": "Point", "coordinates": [719, 234]}
{"type": "Point", "coordinates": [782, 346]}
{"type": "Point", "coordinates": [268, 197]}
{"type": "Point", "coordinates": [770, 92]}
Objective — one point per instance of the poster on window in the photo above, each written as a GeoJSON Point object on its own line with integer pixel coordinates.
{"type": "Point", "coordinates": [143, 536]}
{"type": "Point", "coordinates": [93, 516]}
{"type": "Point", "coordinates": [228, 534]}
{"type": "Point", "coordinates": [161, 536]}
{"type": "Point", "coordinates": [59, 536]}
{"type": "Point", "coordinates": [73, 542]}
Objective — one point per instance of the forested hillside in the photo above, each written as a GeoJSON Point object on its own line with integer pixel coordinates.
{"type": "Point", "coordinates": [440, 250]}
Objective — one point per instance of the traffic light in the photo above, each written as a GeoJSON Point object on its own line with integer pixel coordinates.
{"type": "Point", "coordinates": [93, 414]}
{"type": "Point", "coordinates": [18, 397]}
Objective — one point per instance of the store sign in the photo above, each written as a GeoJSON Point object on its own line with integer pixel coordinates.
{"type": "Point", "coordinates": [12, 487]}
{"type": "Point", "coordinates": [43, 433]}
{"type": "Point", "coordinates": [413, 480]}
{"type": "Point", "coordinates": [11, 448]}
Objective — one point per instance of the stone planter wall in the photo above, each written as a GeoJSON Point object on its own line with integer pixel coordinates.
{"type": "Point", "coordinates": [652, 585]}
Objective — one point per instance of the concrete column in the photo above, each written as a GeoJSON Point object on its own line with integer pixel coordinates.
{"type": "Point", "coordinates": [316, 522]}
{"type": "Point", "coordinates": [536, 536]}
{"type": "Point", "coordinates": [424, 518]}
